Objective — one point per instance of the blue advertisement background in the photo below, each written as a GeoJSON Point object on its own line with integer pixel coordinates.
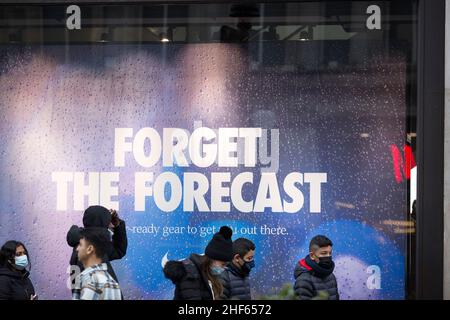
{"type": "Point", "coordinates": [61, 105]}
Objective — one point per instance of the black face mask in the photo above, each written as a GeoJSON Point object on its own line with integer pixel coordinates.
{"type": "Point", "coordinates": [248, 266]}
{"type": "Point", "coordinates": [325, 262]}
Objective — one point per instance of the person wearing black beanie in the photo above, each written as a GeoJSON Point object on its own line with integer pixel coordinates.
{"type": "Point", "coordinates": [197, 277]}
{"type": "Point", "coordinates": [220, 247]}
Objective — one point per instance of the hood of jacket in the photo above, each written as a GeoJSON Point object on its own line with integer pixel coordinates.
{"type": "Point", "coordinates": [174, 270]}
{"type": "Point", "coordinates": [96, 216]}
{"type": "Point", "coordinates": [177, 270]}
{"type": "Point", "coordinates": [73, 236]}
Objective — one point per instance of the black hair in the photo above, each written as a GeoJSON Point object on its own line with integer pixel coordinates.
{"type": "Point", "coordinates": [319, 241]}
{"type": "Point", "coordinates": [242, 246]}
{"type": "Point", "coordinates": [8, 252]}
{"type": "Point", "coordinates": [98, 238]}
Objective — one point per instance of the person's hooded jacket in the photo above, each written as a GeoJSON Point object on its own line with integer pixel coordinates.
{"type": "Point", "coordinates": [189, 281]}
{"type": "Point", "coordinates": [15, 285]}
{"type": "Point", "coordinates": [100, 217]}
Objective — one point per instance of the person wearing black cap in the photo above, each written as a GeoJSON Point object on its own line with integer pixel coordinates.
{"type": "Point", "coordinates": [197, 277]}
{"type": "Point", "coordinates": [100, 217]}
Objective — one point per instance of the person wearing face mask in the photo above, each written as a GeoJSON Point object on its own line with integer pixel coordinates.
{"type": "Point", "coordinates": [100, 217]}
{"type": "Point", "coordinates": [15, 283]}
{"type": "Point", "coordinates": [314, 273]}
{"type": "Point", "coordinates": [235, 278]}
{"type": "Point", "coordinates": [198, 277]}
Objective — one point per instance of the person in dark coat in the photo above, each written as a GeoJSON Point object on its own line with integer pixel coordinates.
{"type": "Point", "coordinates": [314, 274]}
{"type": "Point", "coordinates": [100, 217]}
{"type": "Point", "coordinates": [197, 277]}
{"type": "Point", "coordinates": [15, 283]}
{"type": "Point", "coordinates": [235, 278]}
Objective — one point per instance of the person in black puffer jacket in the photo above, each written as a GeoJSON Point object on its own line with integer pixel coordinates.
{"type": "Point", "coordinates": [314, 274]}
{"type": "Point", "coordinates": [15, 283]}
{"type": "Point", "coordinates": [197, 277]}
{"type": "Point", "coordinates": [100, 217]}
{"type": "Point", "coordinates": [235, 278]}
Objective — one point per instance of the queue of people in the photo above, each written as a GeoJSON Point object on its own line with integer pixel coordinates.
{"type": "Point", "coordinates": [222, 272]}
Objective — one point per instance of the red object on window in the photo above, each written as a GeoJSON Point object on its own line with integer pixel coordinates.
{"type": "Point", "coordinates": [401, 165]}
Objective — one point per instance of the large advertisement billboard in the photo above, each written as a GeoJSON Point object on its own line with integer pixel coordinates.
{"type": "Point", "coordinates": [184, 138]}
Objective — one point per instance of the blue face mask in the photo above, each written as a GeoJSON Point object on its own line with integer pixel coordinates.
{"type": "Point", "coordinates": [21, 262]}
{"type": "Point", "coordinates": [217, 270]}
